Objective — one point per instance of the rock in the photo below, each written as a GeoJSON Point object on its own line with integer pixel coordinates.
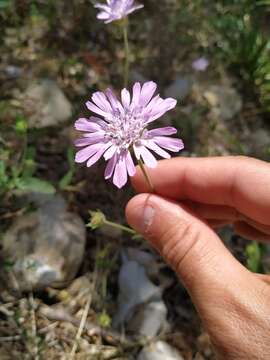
{"type": "Point", "coordinates": [142, 257]}
{"type": "Point", "coordinates": [13, 72]}
{"type": "Point", "coordinates": [135, 288]}
{"type": "Point", "coordinates": [180, 88]}
{"type": "Point", "coordinates": [159, 351]}
{"type": "Point", "coordinates": [137, 76]}
{"type": "Point", "coordinates": [45, 247]}
{"type": "Point", "coordinates": [148, 319]}
{"type": "Point", "coordinates": [224, 101]}
{"type": "Point", "coordinates": [45, 104]}
{"type": "Point", "coordinates": [259, 143]}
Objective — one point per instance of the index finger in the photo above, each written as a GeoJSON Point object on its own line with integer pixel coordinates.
{"type": "Point", "coordinates": [240, 182]}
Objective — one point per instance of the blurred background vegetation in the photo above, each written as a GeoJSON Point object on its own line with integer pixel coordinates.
{"type": "Point", "coordinates": [54, 54]}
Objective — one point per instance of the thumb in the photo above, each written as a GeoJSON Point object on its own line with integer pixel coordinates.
{"type": "Point", "coordinates": [189, 246]}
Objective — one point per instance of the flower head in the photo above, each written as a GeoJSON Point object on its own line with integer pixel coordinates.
{"type": "Point", "coordinates": [116, 9]}
{"type": "Point", "coordinates": [200, 64]}
{"type": "Point", "coordinates": [122, 130]}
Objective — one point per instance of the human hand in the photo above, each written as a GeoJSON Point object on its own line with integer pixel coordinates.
{"type": "Point", "coordinates": [193, 196]}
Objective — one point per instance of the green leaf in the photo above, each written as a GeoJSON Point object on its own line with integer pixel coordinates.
{"type": "Point", "coordinates": [33, 184]}
{"type": "Point", "coordinates": [66, 180]}
{"type": "Point", "coordinates": [4, 4]}
{"type": "Point", "coordinates": [254, 255]}
{"type": "Point", "coordinates": [3, 175]}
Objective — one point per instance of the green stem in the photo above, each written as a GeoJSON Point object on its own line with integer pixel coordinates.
{"type": "Point", "coordinates": [147, 178]}
{"type": "Point", "coordinates": [126, 45]}
{"type": "Point", "coordinates": [121, 227]}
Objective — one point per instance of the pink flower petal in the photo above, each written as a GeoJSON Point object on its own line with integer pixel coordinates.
{"type": "Point", "coordinates": [135, 95]}
{"type": "Point", "coordinates": [115, 103]}
{"type": "Point", "coordinates": [87, 152]}
{"type": "Point", "coordinates": [103, 15]}
{"type": "Point", "coordinates": [89, 140]}
{"type": "Point", "coordinates": [125, 96]}
{"type": "Point", "coordinates": [147, 92]}
{"type": "Point", "coordinates": [96, 157]}
{"type": "Point", "coordinates": [153, 146]}
{"type": "Point", "coordinates": [85, 125]}
{"type": "Point", "coordinates": [131, 169]}
{"type": "Point", "coordinates": [92, 107]}
{"type": "Point", "coordinates": [98, 121]}
{"type": "Point", "coordinates": [162, 108]}
{"type": "Point", "coordinates": [162, 131]}
{"type": "Point", "coordinates": [171, 144]}
{"type": "Point", "coordinates": [142, 152]}
{"type": "Point", "coordinates": [110, 152]}
{"type": "Point", "coordinates": [101, 101]}
{"type": "Point", "coordinates": [110, 167]}
{"type": "Point", "coordinates": [120, 173]}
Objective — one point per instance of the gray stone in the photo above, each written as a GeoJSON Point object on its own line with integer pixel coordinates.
{"type": "Point", "coordinates": [46, 105]}
{"type": "Point", "coordinates": [149, 319]}
{"type": "Point", "coordinates": [135, 288]}
{"type": "Point", "coordinates": [137, 76]}
{"type": "Point", "coordinates": [13, 71]}
{"type": "Point", "coordinates": [159, 351]}
{"type": "Point", "coordinates": [180, 88]}
{"type": "Point", "coordinates": [259, 142]}
{"type": "Point", "coordinates": [45, 247]}
{"type": "Point", "coordinates": [224, 101]}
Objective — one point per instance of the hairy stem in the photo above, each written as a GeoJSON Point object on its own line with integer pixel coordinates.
{"type": "Point", "coordinates": [147, 178]}
{"type": "Point", "coordinates": [126, 45]}
{"type": "Point", "coordinates": [121, 227]}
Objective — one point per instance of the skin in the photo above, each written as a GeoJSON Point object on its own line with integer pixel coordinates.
{"type": "Point", "coordinates": [193, 196]}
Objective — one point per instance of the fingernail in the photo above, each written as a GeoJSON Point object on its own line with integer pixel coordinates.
{"type": "Point", "coordinates": [148, 217]}
{"type": "Point", "coordinates": [142, 218]}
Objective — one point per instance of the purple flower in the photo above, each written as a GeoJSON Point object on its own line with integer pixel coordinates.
{"type": "Point", "coordinates": [116, 9]}
{"type": "Point", "coordinates": [200, 64]}
{"type": "Point", "coordinates": [123, 129]}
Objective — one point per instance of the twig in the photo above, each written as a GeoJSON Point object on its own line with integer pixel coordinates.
{"type": "Point", "coordinates": [34, 324]}
{"type": "Point", "coordinates": [81, 327]}
{"type": "Point", "coordinates": [10, 338]}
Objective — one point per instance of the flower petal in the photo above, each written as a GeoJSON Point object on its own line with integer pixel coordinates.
{"type": "Point", "coordinates": [161, 108]}
{"type": "Point", "coordinates": [89, 139]}
{"type": "Point", "coordinates": [131, 169]}
{"type": "Point", "coordinates": [85, 125]}
{"type": "Point", "coordinates": [115, 103]}
{"type": "Point", "coordinates": [110, 167]}
{"type": "Point", "coordinates": [98, 121]}
{"type": "Point", "coordinates": [150, 144]}
{"type": "Point", "coordinates": [142, 152]}
{"type": "Point", "coordinates": [120, 173]}
{"type": "Point", "coordinates": [101, 101]}
{"type": "Point", "coordinates": [135, 95]}
{"type": "Point", "coordinates": [171, 144]}
{"type": "Point", "coordinates": [125, 96]}
{"type": "Point", "coordinates": [87, 152]}
{"type": "Point", "coordinates": [162, 131]}
{"type": "Point", "coordinates": [96, 157]}
{"type": "Point", "coordinates": [147, 92]}
{"type": "Point", "coordinates": [110, 152]}
{"type": "Point", "coordinates": [92, 107]}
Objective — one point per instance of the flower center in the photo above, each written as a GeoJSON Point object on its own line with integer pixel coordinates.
{"type": "Point", "coordinates": [124, 129]}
